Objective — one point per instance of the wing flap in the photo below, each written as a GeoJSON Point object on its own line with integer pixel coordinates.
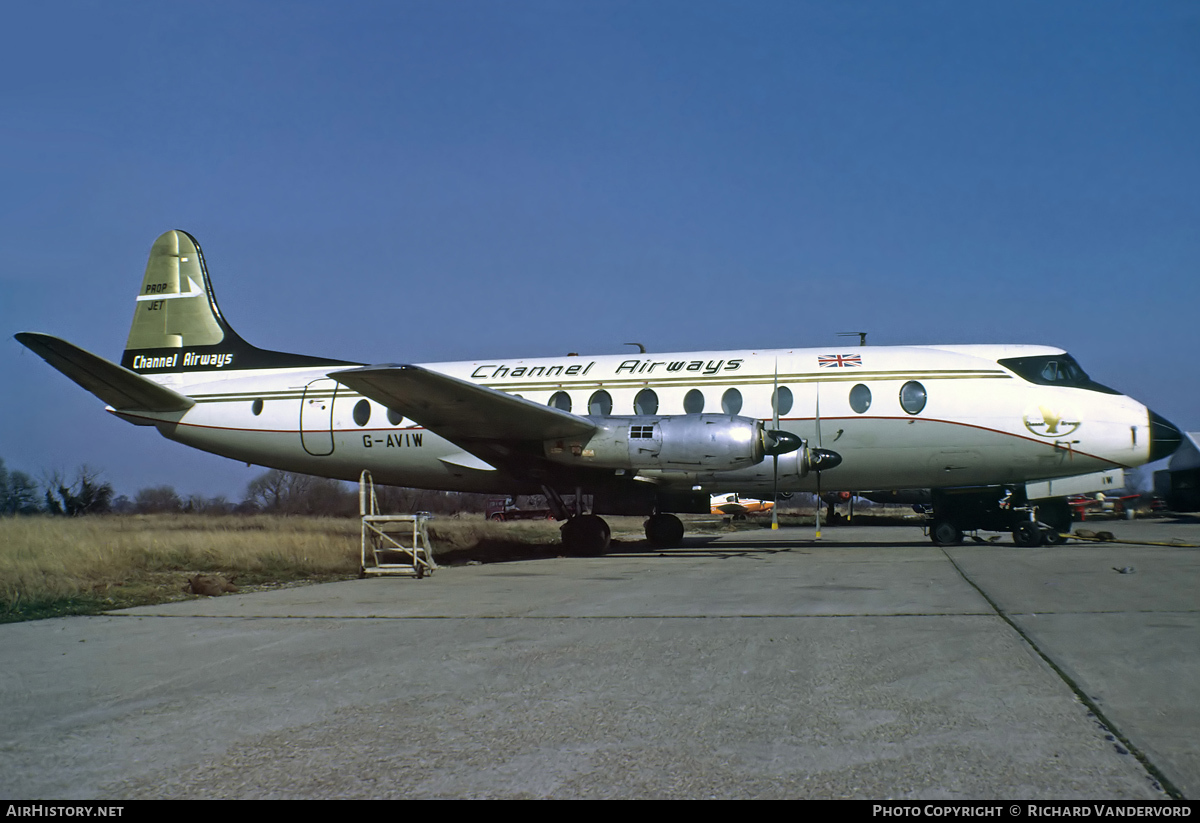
{"type": "Point", "coordinates": [117, 386]}
{"type": "Point", "coordinates": [458, 410]}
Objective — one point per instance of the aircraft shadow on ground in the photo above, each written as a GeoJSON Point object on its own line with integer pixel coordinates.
{"type": "Point", "coordinates": [714, 546]}
{"type": "Point", "coordinates": [502, 551]}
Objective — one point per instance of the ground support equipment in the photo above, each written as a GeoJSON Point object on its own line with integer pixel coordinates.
{"type": "Point", "coordinates": [384, 537]}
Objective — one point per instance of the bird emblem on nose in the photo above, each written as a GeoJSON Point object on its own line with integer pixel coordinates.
{"type": "Point", "coordinates": [1047, 422]}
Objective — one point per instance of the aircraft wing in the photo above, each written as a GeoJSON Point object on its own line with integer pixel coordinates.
{"type": "Point", "coordinates": [117, 386]}
{"type": "Point", "coordinates": [458, 410]}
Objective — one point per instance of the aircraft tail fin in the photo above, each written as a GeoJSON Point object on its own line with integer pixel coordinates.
{"type": "Point", "coordinates": [178, 327]}
{"type": "Point", "coordinates": [119, 387]}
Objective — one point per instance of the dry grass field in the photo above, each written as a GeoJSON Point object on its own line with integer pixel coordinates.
{"type": "Point", "coordinates": [53, 566]}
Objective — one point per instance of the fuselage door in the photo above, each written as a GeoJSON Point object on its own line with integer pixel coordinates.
{"type": "Point", "coordinates": [316, 416]}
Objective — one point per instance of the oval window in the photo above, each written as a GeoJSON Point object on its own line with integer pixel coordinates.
{"type": "Point", "coordinates": [257, 407]}
{"type": "Point", "coordinates": [860, 398]}
{"type": "Point", "coordinates": [560, 400]}
{"type": "Point", "coordinates": [362, 412]}
{"type": "Point", "coordinates": [781, 400]}
{"type": "Point", "coordinates": [693, 402]}
{"type": "Point", "coordinates": [912, 397]}
{"type": "Point", "coordinates": [395, 417]}
{"type": "Point", "coordinates": [731, 401]}
{"type": "Point", "coordinates": [600, 404]}
{"type": "Point", "coordinates": [646, 402]}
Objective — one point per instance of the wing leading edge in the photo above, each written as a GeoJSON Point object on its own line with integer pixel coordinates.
{"type": "Point", "coordinates": [462, 412]}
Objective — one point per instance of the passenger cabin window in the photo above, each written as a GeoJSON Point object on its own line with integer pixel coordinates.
{"type": "Point", "coordinates": [395, 417]}
{"type": "Point", "coordinates": [912, 397]}
{"type": "Point", "coordinates": [1054, 370]}
{"type": "Point", "coordinates": [560, 400]}
{"type": "Point", "coordinates": [860, 398]}
{"type": "Point", "coordinates": [693, 402]}
{"type": "Point", "coordinates": [646, 402]}
{"type": "Point", "coordinates": [600, 404]}
{"type": "Point", "coordinates": [362, 412]}
{"type": "Point", "coordinates": [781, 400]}
{"type": "Point", "coordinates": [731, 401]}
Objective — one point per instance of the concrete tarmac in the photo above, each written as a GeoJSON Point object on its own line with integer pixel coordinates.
{"type": "Point", "coordinates": [870, 664]}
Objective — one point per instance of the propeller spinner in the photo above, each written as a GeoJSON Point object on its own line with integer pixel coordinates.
{"type": "Point", "coordinates": [777, 442]}
{"type": "Point", "coordinates": [823, 459]}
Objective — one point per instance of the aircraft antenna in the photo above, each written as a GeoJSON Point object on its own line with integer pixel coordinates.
{"type": "Point", "coordinates": [861, 335]}
{"type": "Point", "coordinates": [641, 348]}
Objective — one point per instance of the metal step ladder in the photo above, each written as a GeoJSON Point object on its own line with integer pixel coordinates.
{"type": "Point", "coordinates": [384, 537]}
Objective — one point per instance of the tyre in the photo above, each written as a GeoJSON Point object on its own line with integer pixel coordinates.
{"type": "Point", "coordinates": [945, 533]}
{"type": "Point", "coordinates": [586, 534]}
{"type": "Point", "coordinates": [664, 531]}
{"type": "Point", "coordinates": [1027, 535]}
{"type": "Point", "coordinates": [1052, 536]}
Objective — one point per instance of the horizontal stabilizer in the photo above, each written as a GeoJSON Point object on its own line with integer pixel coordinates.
{"type": "Point", "coordinates": [459, 410]}
{"type": "Point", "coordinates": [115, 385]}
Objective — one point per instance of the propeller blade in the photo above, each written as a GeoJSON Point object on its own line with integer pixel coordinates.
{"type": "Point", "coordinates": [817, 462]}
{"type": "Point", "coordinates": [776, 440]}
{"type": "Point", "coordinates": [775, 494]}
{"type": "Point", "coordinates": [775, 397]}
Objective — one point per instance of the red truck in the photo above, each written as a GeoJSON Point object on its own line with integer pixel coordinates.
{"type": "Point", "coordinates": [505, 508]}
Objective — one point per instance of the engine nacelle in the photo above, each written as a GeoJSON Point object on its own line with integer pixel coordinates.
{"type": "Point", "coordinates": [687, 442]}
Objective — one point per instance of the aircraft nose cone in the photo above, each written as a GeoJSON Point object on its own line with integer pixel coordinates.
{"type": "Point", "coordinates": [823, 459]}
{"type": "Point", "coordinates": [1165, 438]}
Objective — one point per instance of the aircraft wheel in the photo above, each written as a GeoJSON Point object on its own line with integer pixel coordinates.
{"type": "Point", "coordinates": [664, 531]}
{"type": "Point", "coordinates": [586, 534]}
{"type": "Point", "coordinates": [1027, 535]}
{"type": "Point", "coordinates": [1054, 517]}
{"type": "Point", "coordinates": [1053, 537]}
{"type": "Point", "coordinates": [945, 533]}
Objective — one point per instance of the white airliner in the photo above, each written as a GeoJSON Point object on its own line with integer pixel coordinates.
{"type": "Point", "coordinates": [654, 434]}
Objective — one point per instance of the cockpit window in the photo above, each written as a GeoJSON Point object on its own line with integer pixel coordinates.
{"type": "Point", "coordinates": [1054, 370]}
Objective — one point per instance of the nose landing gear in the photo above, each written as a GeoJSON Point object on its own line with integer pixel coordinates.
{"type": "Point", "coordinates": [1031, 523]}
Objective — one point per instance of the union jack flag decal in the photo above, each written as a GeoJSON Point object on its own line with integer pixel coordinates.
{"type": "Point", "coordinates": [838, 361]}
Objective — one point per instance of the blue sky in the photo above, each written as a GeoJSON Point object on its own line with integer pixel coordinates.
{"type": "Point", "coordinates": [423, 181]}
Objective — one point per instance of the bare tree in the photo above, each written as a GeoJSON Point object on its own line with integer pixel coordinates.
{"type": "Point", "coordinates": [87, 495]}
{"type": "Point", "coordinates": [282, 492]}
{"type": "Point", "coordinates": [157, 499]}
{"type": "Point", "coordinates": [18, 492]}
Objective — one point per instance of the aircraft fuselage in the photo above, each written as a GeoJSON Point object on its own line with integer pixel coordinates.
{"type": "Point", "coordinates": [968, 421]}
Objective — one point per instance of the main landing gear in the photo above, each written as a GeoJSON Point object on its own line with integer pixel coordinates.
{"type": "Point", "coordinates": [664, 531]}
{"type": "Point", "coordinates": [586, 534]}
{"type": "Point", "coordinates": [582, 534]}
{"type": "Point", "coordinates": [589, 534]}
